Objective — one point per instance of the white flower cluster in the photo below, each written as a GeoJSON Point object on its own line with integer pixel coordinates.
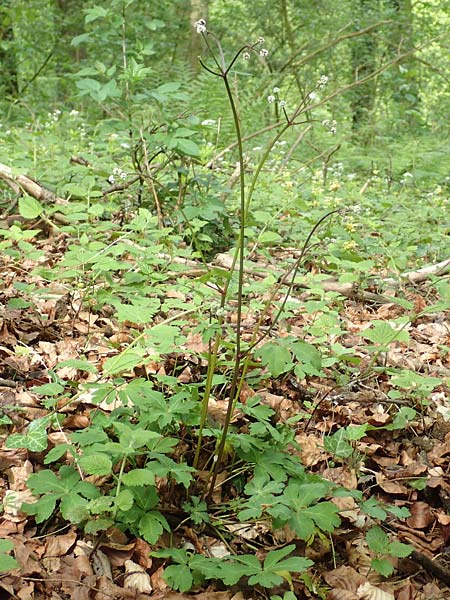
{"type": "Point", "coordinates": [322, 82]}
{"type": "Point", "coordinates": [117, 173]}
{"type": "Point", "coordinates": [330, 125]}
{"type": "Point", "coordinates": [200, 26]}
{"type": "Point", "coordinates": [274, 97]}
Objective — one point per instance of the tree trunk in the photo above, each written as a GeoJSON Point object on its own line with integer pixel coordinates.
{"type": "Point", "coordinates": [199, 10]}
{"type": "Point", "coordinates": [9, 77]}
{"type": "Point", "coordinates": [364, 51]}
{"type": "Point", "coordinates": [405, 90]}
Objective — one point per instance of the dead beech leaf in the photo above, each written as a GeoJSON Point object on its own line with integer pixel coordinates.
{"type": "Point", "coordinates": [442, 518]}
{"type": "Point", "coordinates": [344, 578]}
{"type": "Point", "coordinates": [59, 545]}
{"type": "Point", "coordinates": [431, 591]}
{"type": "Point", "coordinates": [311, 452]}
{"type": "Point", "coordinates": [367, 591]}
{"type": "Point", "coordinates": [137, 578]}
{"type": "Point", "coordinates": [421, 516]}
{"type": "Point", "coordinates": [340, 594]}
{"type": "Point", "coordinates": [18, 476]}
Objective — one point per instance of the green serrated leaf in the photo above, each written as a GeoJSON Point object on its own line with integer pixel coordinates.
{"type": "Point", "coordinates": [400, 550]}
{"type": "Point", "coordinates": [79, 364]}
{"type": "Point", "coordinates": [150, 527]}
{"type": "Point", "coordinates": [138, 477]}
{"type": "Point", "coordinates": [48, 389]}
{"type": "Point", "coordinates": [383, 333]}
{"type": "Point", "coordinates": [30, 208]}
{"type": "Point", "coordinates": [56, 453]}
{"type": "Point", "coordinates": [124, 500]}
{"type": "Point", "coordinates": [125, 361]}
{"type": "Point", "coordinates": [276, 358]}
{"type": "Point", "coordinates": [42, 509]}
{"type": "Point", "coordinates": [74, 508]}
{"type": "Point", "coordinates": [382, 566]}
{"type": "Point", "coordinates": [179, 577]}
{"type": "Point", "coordinates": [377, 540]}
{"type": "Point", "coordinates": [96, 464]}
{"type": "Point", "coordinates": [7, 563]}
{"type": "Point", "coordinates": [325, 515]}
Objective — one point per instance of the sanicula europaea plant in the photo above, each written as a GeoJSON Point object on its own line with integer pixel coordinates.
{"type": "Point", "coordinates": [223, 70]}
{"type": "Point", "coordinates": [117, 446]}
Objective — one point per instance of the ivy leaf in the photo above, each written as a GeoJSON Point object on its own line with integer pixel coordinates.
{"type": "Point", "coordinates": [35, 440]}
{"type": "Point", "coordinates": [337, 444]}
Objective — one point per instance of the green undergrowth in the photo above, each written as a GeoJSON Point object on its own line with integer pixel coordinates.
{"type": "Point", "coordinates": [154, 456]}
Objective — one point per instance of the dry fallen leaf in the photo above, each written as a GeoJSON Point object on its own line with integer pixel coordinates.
{"type": "Point", "coordinates": [137, 578]}
{"type": "Point", "coordinates": [367, 591]}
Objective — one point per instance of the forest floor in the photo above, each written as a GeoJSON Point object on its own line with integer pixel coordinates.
{"type": "Point", "coordinates": [406, 465]}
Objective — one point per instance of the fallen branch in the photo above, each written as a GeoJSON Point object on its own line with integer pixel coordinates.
{"type": "Point", "coordinates": [22, 183]}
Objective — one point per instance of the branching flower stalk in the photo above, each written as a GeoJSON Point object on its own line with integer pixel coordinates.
{"type": "Point", "coordinates": [223, 72]}
{"type": "Point", "coordinates": [239, 369]}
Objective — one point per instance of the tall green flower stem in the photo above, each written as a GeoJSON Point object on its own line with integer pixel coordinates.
{"type": "Point", "coordinates": [238, 255]}
{"type": "Point", "coordinates": [237, 263]}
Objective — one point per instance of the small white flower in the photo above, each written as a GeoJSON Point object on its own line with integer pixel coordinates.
{"type": "Point", "coordinates": [313, 96]}
{"type": "Point", "coordinates": [74, 113]}
{"type": "Point", "coordinates": [246, 55]}
{"type": "Point", "coordinates": [123, 175]}
{"type": "Point", "coordinates": [116, 171]}
{"type": "Point", "coordinates": [200, 26]}
{"type": "Point", "coordinates": [283, 104]}
{"type": "Point", "coordinates": [276, 90]}
{"type": "Point", "coordinates": [111, 179]}
{"type": "Point", "coordinates": [261, 40]}
{"type": "Point", "coordinates": [270, 99]}
{"type": "Point", "coordinates": [263, 52]}
{"type": "Point", "coordinates": [323, 80]}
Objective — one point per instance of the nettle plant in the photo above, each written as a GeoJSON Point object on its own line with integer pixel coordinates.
{"type": "Point", "coordinates": [161, 456]}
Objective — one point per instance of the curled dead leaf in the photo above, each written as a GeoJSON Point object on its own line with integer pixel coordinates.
{"type": "Point", "coordinates": [367, 591]}
{"type": "Point", "coordinates": [421, 516]}
{"type": "Point", "coordinates": [137, 578]}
